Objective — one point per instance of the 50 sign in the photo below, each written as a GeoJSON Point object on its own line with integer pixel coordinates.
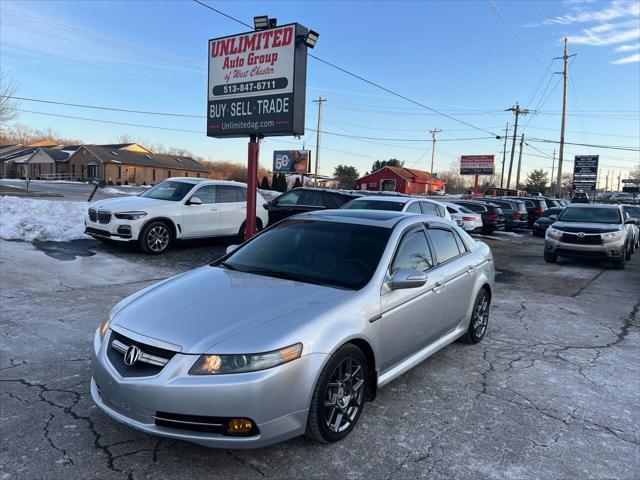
{"type": "Point", "coordinates": [291, 161]}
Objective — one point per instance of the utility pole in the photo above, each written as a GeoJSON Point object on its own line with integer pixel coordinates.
{"type": "Point", "coordinates": [433, 154]}
{"type": "Point", "coordinates": [553, 164]}
{"type": "Point", "coordinates": [504, 153]}
{"type": "Point", "coordinates": [519, 161]}
{"type": "Point", "coordinates": [619, 176]}
{"type": "Point", "coordinates": [517, 112]}
{"type": "Point", "coordinates": [565, 74]}
{"type": "Point", "coordinates": [319, 102]}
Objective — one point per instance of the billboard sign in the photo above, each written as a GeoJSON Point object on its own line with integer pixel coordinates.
{"type": "Point", "coordinates": [292, 161]}
{"type": "Point", "coordinates": [477, 164]}
{"type": "Point", "coordinates": [257, 83]}
{"type": "Point", "coordinates": [585, 172]}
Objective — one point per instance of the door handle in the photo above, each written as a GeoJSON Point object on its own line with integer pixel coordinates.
{"type": "Point", "coordinates": [470, 269]}
{"type": "Point", "coordinates": [437, 287]}
{"type": "Point", "coordinates": [213, 209]}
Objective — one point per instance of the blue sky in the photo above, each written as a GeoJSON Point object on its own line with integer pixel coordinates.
{"type": "Point", "coordinates": [468, 59]}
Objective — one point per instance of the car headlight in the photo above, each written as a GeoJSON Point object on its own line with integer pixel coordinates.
{"type": "Point", "coordinates": [221, 364]}
{"type": "Point", "coordinates": [130, 215]}
{"type": "Point", "coordinates": [104, 328]}
{"type": "Point", "coordinates": [553, 234]}
{"type": "Point", "coordinates": [613, 236]}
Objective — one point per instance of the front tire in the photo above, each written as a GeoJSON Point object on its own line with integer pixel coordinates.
{"type": "Point", "coordinates": [339, 395]}
{"type": "Point", "coordinates": [479, 318]}
{"type": "Point", "coordinates": [550, 257]}
{"type": "Point", "coordinates": [156, 238]}
{"type": "Point", "coordinates": [619, 264]}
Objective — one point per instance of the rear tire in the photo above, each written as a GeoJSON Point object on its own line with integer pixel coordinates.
{"type": "Point", "coordinates": [243, 229]}
{"type": "Point", "coordinates": [156, 238]}
{"type": "Point", "coordinates": [550, 257]}
{"type": "Point", "coordinates": [479, 319]}
{"type": "Point", "coordinates": [487, 231]}
{"type": "Point", "coordinates": [339, 395]}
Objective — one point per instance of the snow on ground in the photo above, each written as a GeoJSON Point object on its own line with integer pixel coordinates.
{"type": "Point", "coordinates": [19, 180]}
{"type": "Point", "coordinates": [28, 219]}
{"type": "Point", "coordinates": [116, 191]}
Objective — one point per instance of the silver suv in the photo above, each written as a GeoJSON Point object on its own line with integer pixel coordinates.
{"type": "Point", "coordinates": [591, 231]}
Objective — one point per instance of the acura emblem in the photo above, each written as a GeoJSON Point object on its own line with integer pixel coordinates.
{"type": "Point", "coordinates": [581, 234]}
{"type": "Point", "coordinates": [132, 355]}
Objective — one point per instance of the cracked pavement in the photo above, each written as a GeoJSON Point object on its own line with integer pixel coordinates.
{"type": "Point", "coordinates": [553, 391]}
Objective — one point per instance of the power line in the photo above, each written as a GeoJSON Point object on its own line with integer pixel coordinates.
{"type": "Point", "coordinates": [361, 78]}
{"type": "Point", "coordinates": [610, 147]}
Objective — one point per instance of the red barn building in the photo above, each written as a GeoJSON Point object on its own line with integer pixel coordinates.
{"type": "Point", "coordinates": [399, 179]}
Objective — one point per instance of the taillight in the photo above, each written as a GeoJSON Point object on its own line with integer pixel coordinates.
{"type": "Point", "coordinates": [492, 216]}
{"type": "Point", "coordinates": [517, 215]}
{"type": "Point", "coordinates": [538, 211]}
{"type": "Point", "coordinates": [468, 219]}
{"type": "Point", "coordinates": [265, 206]}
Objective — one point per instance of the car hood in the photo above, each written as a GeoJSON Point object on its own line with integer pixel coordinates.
{"type": "Point", "coordinates": [130, 203]}
{"type": "Point", "coordinates": [586, 227]}
{"type": "Point", "coordinates": [199, 309]}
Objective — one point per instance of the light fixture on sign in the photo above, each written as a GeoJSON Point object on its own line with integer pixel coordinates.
{"type": "Point", "coordinates": [311, 38]}
{"type": "Point", "coordinates": [261, 22]}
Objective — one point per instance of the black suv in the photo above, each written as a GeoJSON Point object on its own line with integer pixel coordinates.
{"type": "Point", "coordinates": [535, 206]}
{"type": "Point", "coordinates": [305, 199]}
{"type": "Point", "coordinates": [580, 197]}
{"type": "Point", "coordinates": [515, 211]}
{"type": "Point", "coordinates": [492, 216]}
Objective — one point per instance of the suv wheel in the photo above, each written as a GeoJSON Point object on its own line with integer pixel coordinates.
{"type": "Point", "coordinates": [242, 233]}
{"type": "Point", "coordinates": [155, 238]}
{"type": "Point", "coordinates": [339, 395]}
{"type": "Point", "coordinates": [550, 257]}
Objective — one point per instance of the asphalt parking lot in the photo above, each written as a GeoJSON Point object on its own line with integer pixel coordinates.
{"type": "Point", "coordinates": [553, 392]}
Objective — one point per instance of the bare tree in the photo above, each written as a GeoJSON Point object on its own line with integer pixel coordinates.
{"type": "Point", "coordinates": [8, 105]}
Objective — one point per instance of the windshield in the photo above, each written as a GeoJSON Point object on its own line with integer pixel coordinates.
{"type": "Point", "coordinates": [374, 205]}
{"type": "Point", "coordinates": [169, 190]}
{"type": "Point", "coordinates": [634, 212]}
{"type": "Point", "coordinates": [326, 253]}
{"type": "Point", "coordinates": [590, 215]}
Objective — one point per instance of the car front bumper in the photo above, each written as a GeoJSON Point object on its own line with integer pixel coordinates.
{"type": "Point", "coordinates": [116, 229]}
{"type": "Point", "coordinates": [606, 250]}
{"type": "Point", "coordinates": [277, 400]}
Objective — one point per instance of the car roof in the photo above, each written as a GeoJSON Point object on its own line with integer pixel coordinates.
{"type": "Point", "coordinates": [608, 206]}
{"type": "Point", "coordinates": [374, 218]}
{"type": "Point", "coordinates": [206, 181]}
{"type": "Point", "coordinates": [390, 198]}
{"type": "Point", "coordinates": [349, 193]}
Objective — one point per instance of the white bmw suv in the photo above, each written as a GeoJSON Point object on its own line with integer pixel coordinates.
{"type": "Point", "coordinates": [176, 208]}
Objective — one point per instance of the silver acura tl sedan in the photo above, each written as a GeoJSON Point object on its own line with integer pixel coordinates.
{"type": "Point", "coordinates": [292, 331]}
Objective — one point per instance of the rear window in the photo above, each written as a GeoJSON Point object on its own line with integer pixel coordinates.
{"type": "Point", "coordinates": [590, 215]}
{"type": "Point", "coordinates": [476, 208]}
{"type": "Point", "coordinates": [374, 205]}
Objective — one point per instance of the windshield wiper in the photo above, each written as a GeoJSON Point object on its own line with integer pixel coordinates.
{"type": "Point", "coordinates": [227, 266]}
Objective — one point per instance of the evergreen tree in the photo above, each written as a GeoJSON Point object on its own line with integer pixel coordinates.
{"type": "Point", "coordinates": [297, 183]}
{"type": "Point", "coordinates": [264, 184]}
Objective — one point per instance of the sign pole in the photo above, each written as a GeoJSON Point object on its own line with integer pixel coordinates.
{"type": "Point", "coordinates": [475, 185]}
{"type": "Point", "coordinates": [252, 185]}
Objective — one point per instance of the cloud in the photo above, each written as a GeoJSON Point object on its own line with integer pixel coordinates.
{"type": "Point", "coordinates": [628, 48]}
{"type": "Point", "coordinates": [607, 34]}
{"type": "Point", "coordinates": [635, 58]}
{"type": "Point", "coordinates": [617, 9]}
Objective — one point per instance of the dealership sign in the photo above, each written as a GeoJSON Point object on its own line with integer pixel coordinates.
{"type": "Point", "coordinates": [477, 164]}
{"type": "Point", "coordinates": [585, 172]}
{"type": "Point", "coordinates": [257, 83]}
{"type": "Point", "coordinates": [291, 161]}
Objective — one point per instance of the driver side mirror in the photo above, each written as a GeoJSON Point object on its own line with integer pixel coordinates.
{"type": "Point", "coordinates": [406, 278]}
{"type": "Point", "coordinates": [231, 248]}
{"type": "Point", "coordinates": [553, 217]}
{"type": "Point", "coordinates": [631, 221]}
{"type": "Point", "coordinates": [194, 201]}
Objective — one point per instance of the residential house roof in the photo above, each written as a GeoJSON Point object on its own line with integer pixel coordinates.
{"type": "Point", "coordinates": [108, 154]}
{"type": "Point", "coordinates": [56, 154]}
{"type": "Point", "coordinates": [410, 174]}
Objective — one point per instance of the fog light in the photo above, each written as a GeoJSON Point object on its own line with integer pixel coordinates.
{"type": "Point", "coordinates": [240, 426]}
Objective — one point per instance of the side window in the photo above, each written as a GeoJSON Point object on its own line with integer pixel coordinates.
{"type": "Point", "coordinates": [311, 198]}
{"type": "Point", "coordinates": [226, 194]}
{"type": "Point", "coordinates": [441, 211]}
{"type": "Point", "coordinates": [428, 208]}
{"type": "Point", "coordinates": [451, 210]}
{"type": "Point", "coordinates": [461, 246]}
{"type": "Point", "coordinates": [528, 203]}
{"type": "Point", "coordinates": [290, 198]}
{"type": "Point", "coordinates": [207, 194]}
{"type": "Point", "coordinates": [414, 208]}
{"type": "Point", "coordinates": [414, 253]}
{"type": "Point", "coordinates": [332, 200]}
{"type": "Point", "coordinates": [444, 244]}
{"type": "Point", "coordinates": [242, 194]}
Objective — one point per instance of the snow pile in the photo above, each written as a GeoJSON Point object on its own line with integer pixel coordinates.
{"type": "Point", "coordinates": [115, 191]}
{"type": "Point", "coordinates": [269, 194]}
{"type": "Point", "coordinates": [29, 220]}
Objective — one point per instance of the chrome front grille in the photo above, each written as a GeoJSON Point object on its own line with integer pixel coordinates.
{"type": "Point", "coordinates": [134, 359]}
{"type": "Point", "coordinates": [93, 215]}
{"type": "Point", "coordinates": [104, 216]}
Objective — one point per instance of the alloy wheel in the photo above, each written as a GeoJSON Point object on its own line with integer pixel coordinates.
{"type": "Point", "coordinates": [158, 238]}
{"type": "Point", "coordinates": [481, 316]}
{"type": "Point", "coordinates": [344, 395]}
